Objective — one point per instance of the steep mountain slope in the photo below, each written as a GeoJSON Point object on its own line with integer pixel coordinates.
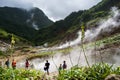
{"type": "Point", "coordinates": [5, 37]}
{"type": "Point", "coordinates": [66, 29]}
{"type": "Point", "coordinates": [22, 22]}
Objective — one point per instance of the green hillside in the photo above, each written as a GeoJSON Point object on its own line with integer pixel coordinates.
{"type": "Point", "coordinates": [66, 29]}
{"type": "Point", "coordinates": [22, 22]}
{"type": "Point", "coordinates": [25, 23]}
{"type": "Point", "coordinates": [6, 37]}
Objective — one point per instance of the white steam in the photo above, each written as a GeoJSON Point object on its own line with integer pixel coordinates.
{"type": "Point", "coordinates": [35, 26]}
{"type": "Point", "coordinates": [106, 25]}
{"type": "Point", "coordinates": [71, 43]}
{"type": "Point", "coordinates": [59, 58]}
{"type": "Point", "coordinates": [108, 56]}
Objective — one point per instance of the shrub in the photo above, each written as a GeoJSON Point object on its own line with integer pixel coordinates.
{"type": "Point", "coordinates": [98, 71]}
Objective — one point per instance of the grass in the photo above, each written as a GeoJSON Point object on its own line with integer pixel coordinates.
{"type": "Point", "coordinates": [65, 50]}
{"type": "Point", "coordinates": [18, 74]}
{"type": "Point", "coordinates": [49, 53]}
{"type": "Point", "coordinates": [3, 33]}
{"type": "Point", "coordinates": [5, 36]}
{"type": "Point", "coordinates": [109, 40]}
{"type": "Point", "coordinates": [98, 71]}
{"type": "Point", "coordinates": [41, 55]}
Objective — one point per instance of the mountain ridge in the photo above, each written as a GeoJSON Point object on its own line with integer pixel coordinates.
{"type": "Point", "coordinates": [22, 22]}
{"type": "Point", "coordinates": [60, 31]}
{"type": "Point", "coordinates": [65, 30]}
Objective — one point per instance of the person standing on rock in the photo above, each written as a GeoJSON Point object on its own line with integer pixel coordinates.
{"type": "Point", "coordinates": [13, 64]}
{"type": "Point", "coordinates": [46, 68]}
{"type": "Point", "coordinates": [64, 65]}
{"type": "Point", "coordinates": [7, 63]}
{"type": "Point", "coordinates": [27, 64]}
{"type": "Point", "coordinates": [60, 68]}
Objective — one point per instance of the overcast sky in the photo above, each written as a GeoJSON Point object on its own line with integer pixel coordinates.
{"type": "Point", "coordinates": [54, 9]}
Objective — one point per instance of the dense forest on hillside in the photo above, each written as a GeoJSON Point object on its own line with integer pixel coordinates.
{"type": "Point", "coordinates": [83, 46]}
{"type": "Point", "coordinates": [66, 29]}
{"type": "Point", "coordinates": [21, 22]}
{"type": "Point", "coordinates": [24, 23]}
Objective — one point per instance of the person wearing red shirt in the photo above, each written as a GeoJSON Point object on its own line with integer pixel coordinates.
{"type": "Point", "coordinates": [27, 64]}
{"type": "Point", "coordinates": [13, 64]}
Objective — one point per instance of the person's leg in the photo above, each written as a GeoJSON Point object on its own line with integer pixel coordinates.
{"type": "Point", "coordinates": [47, 71]}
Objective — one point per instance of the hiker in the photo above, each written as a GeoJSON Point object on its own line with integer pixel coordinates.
{"type": "Point", "coordinates": [46, 68]}
{"type": "Point", "coordinates": [60, 68]}
{"type": "Point", "coordinates": [13, 64]}
{"type": "Point", "coordinates": [64, 65]}
{"type": "Point", "coordinates": [7, 63]}
{"type": "Point", "coordinates": [27, 64]}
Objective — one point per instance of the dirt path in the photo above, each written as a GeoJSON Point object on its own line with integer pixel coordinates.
{"type": "Point", "coordinates": [51, 76]}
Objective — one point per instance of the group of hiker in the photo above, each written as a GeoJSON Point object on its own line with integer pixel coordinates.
{"type": "Point", "coordinates": [61, 67]}
{"type": "Point", "coordinates": [27, 65]}
{"type": "Point", "coordinates": [7, 63]}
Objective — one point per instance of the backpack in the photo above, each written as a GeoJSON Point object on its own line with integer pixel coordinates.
{"type": "Point", "coordinates": [7, 63]}
{"type": "Point", "coordinates": [45, 68]}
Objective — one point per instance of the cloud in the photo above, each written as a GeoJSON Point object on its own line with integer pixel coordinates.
{"type": "Point", "coordinates": [54, 9]}
{"type": "Point", "coordinates": [59, 9]}
{"type": "Point", "coordinates": [16, 3]}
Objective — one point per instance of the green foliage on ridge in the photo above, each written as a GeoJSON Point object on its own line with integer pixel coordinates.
{"type": "Point", "coordinates": [5, 36]}
{"type": "Point", "coordinates": [21, 22]}
{"type": "Point", "coordinates": [66, 29]}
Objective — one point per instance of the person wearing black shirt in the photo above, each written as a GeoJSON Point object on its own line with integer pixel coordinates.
{"type": "Point", "coordinates": [46, 68]}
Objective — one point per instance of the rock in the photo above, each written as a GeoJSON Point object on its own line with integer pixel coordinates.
{"type": "Point", "coordinates": [113, 77]}
{"type": "Point", "coordinates": [31, 78]}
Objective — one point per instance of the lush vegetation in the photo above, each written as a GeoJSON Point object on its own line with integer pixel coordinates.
{"type": "Point", "coordinates": [20, 21]}
{"type": "Point", "coordinates": [113, 40]}
{"type": "Point", "coordinates": [18, 74]}
{"type": "Point", "coordinates": [65, 30]}
{"type": "Point", "coordinates": [5, 37]}
{"type": "Point", "coordinates": [107, 42]}
{"type": "Point", "coordinates": [98, 71]}
{"type": "Point", "coordinates": [60, 31]}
